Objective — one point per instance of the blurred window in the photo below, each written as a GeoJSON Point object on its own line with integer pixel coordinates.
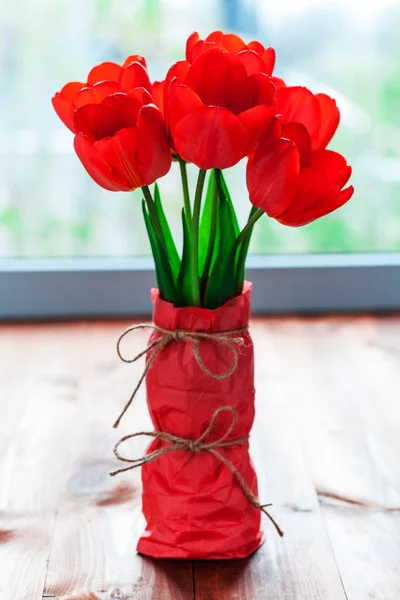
{"type": "Point", "coordinates": [49, 207]}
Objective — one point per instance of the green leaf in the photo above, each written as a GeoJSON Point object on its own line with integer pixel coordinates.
{"type": "Point", "coordinates": [209, 233]}
{"type": "Point", "coordinates": [173, 255]}
{"type": "Point", "coordinates": [205, 224]}
{"type": "Point", "coordinates": [221, 284]}
{"type": "Point", "coordinates": [184, 279]}
{"type": "Point", "coordinates": [165, 280]}
{"type": "Point", "coordinates": [223, 190]}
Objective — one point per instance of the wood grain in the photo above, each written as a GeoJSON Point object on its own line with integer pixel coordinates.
{"type": "Point", "coordinates": [38, 405]}
{"type": "Point", "coordinates": [99, 518]}
{"type": "Point", "coordinates": [367, 383]}
{"type": "Point", "coordinates": [301, 565]}
{"type": "Point", "coordinates": [328, 406]}
{"type": "Point", "coordinates": [344, 384]}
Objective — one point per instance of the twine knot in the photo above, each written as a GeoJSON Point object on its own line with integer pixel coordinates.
{"type": "Point", "coordinates": [179, 335]}
{"type": "Point", "coordinates": [173, 442]}
{"type": "Point", "coordinates": [176, 335]}
{"type": "Point", "coordinates": [193, 446]}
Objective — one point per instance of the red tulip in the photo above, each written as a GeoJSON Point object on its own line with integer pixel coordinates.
{"type": "Point", "coordinates": [214, 110]}
{"type": "Point", "coordinates": [254, 56]}
{"type": "Point", "coordinates": [293, 183]}
{"type": "Point", "coordinates": [157, 92]}
{"type": "Point", "coordinates": [103, 80]}
{"type": "Point", "coordinates": [317, 112]}
{"type": "Point", "coordinates": [121, 141]}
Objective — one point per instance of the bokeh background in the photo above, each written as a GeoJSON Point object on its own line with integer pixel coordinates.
{"type": "Point", "coordinates": [49, 207]}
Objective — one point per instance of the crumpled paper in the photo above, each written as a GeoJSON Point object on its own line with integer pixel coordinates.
{"type": "Point", "coordinates": [193, 504]}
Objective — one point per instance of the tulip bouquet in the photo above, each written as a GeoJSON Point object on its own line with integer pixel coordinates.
{"type": "Point", "coordinates": [218, 106]}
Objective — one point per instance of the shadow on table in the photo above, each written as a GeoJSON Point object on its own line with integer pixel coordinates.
{"type": "Point", "coordinates": [207, 579]}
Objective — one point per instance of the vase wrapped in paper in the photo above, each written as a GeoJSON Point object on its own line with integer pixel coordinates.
{"type": "Point", "coordinates": [219, 106]}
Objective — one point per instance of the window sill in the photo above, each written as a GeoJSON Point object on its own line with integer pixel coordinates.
{"type": "Point", "coordinates": [117, 287]}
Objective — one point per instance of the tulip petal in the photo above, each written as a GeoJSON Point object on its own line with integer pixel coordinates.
{"type": "Point", "coordinates": [332, 164]}
{"type": "Point", "coordinates": [330, 117]}
{"type": "Point", "coordinates": [70, 90]}
{"type": "Point", "coordinates": [63, 102]}
{"type": "Point", "coordinates": [227, 42]}
{"type": "Point", "coordinates": [98, 121]}
{"type": "Point", "coordinates": [313, 203]}
{"type": "Point", "coordinates": [201, 47]}
{"type": "Point", "coordinates": [219, 79]}
{"type": "Point", "coordinates": [215, 36]}
{"type": "Point", "coordinates": [299, 105]}
{"type": "Point", "coordinates": [272, 175]}
{"type": "Point", "coordinates": [300, 136]}
{"type": "Point", "coordinates": [153, 153]}
{"type": "Point", "coordinates": [64, 110]}
{"type": "Point", "coordinates": [345, 196]}
{"type": "Point", "coordinates": [191, 41]}
{"type": "Point", "coordinates": [176, 73]}
{"type": "Point", "coordinates": [96, 93]}
{"type": "Point", "coordinates": [256, 121]}
{"type": "Point", "coordinates": [134, 76]}
{"type": "Point", "coordinates": [179, 71]}
{"type": "Point", "coordinates": [127, 106]}
{"type": "Point", "coordinates": [120, 151]}
{"type": "Point", "coordinates": [315, 197]}
{"type": "Point", "coordinates": [157, 92]}
{"type": "Point", "coordinates": [253, 63]}
{"type": "Point", "coordinates": [274, 131]}
{"type": "Point", "coordinates": [232, 43]}
{"type": "Point", "coordinates": [135, 58]}
{"type": "Point", "coordinates": [211, 137]}
{"type": "Point", "coordinates": [141, 95]}
{"type": "Point", "coordinates": [342, 178]}
{"type": "Point", "coordinates": [97, 166]}
{"type": "Point", "coordinates": [257, 47]}
{"type": "Point", "coordinates": [262, 89]}
{"type": "Point", "coordinates": [269, 60]}
{"type": "Point", "coordinates": [279, 83]}
{"type": "Point", "coordinates": [183, 100]}
{"type": "Point", "coordinates": [106, 71]}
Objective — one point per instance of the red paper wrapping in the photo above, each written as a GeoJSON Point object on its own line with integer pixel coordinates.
{"type": "Point", "coordinates": [193, 504]}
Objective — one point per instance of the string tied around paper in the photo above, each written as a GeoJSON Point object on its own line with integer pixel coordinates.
{"type": "Point", "coordinates": [230, 339]}
{"type": "Point", "coordinates": [174, 442]}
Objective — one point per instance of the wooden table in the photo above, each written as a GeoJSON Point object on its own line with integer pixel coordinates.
{"type": "Point", "coordinates": [328, 421]}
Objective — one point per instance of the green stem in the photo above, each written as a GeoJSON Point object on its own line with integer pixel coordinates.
{"type": "Point", "coordinates": [243, 243]}
{"type": "Point", "coordinates": [213, 231]}
{"type": "Point", "coordinates": [255, 214]}
{"type": "Point", "coordinates": [195, 239]}
{"type": "Point", "coordinates": [154, 217]}
{"type": "Point", "coordinates": [185, 186]}
{"type": "Point", "coordinates": [240, 265]}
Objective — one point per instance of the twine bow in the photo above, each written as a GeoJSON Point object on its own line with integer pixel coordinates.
{"type": "Point", "coordinates": [194, 337]}
{"type": "Point", "coordinates": [175, 442]}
